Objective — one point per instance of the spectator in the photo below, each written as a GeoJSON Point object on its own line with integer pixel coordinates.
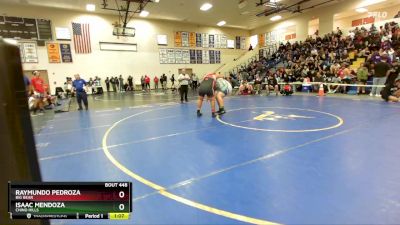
{"type": "Point", "coordinates": [382, 70]}
{"type": "Point", "coordinates": [121, 83]}
{"type": "Point", "coordinates": [272, 84]}
{"type": "Point", "coordinates": [113, 84]}
{"type": "Point", "coordinates": [155, 83]}
{"type": "Point", "coordinates": [165, 81]}
{"type": "Point", "coordinates": [245, 88]}
{"type": "Point", "coordinates": [318, 79]}
{"type": "Point", "coordinates": [91, 85]}
{"type": "Point", "coordinates": [397, 15]}
{"type": "Point", "coordinates": [39, 91]}
{"type": "Point", "coordinates": [362, 77]}
{"type": "Point", "coordinates": [391, 92]}
{"type": "Point", "coordinates": [194, 81]}
{"type": "Point", "coordinates": [147, 81]}
{"type": "Point", "coordinates": [107, 81]}
{"type": "Point", "coordinates": [142, 82]}
{"type": "Point", "coordinates": [130, 83]}
{"type": "Point", "coordinates": [173, 81]}
{"type": "Point", "coordinates": [116, 80]}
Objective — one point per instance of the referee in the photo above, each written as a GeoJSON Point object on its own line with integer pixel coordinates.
{"type": "Point", "coordinates": [184, 79]}
{"type": "Point", "coordinates": [80, 88]}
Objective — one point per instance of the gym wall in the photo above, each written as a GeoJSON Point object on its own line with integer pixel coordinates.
{"type": "Point", "coordinates": [113, 63]}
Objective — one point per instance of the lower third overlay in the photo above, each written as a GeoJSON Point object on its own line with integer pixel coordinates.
{"type": "Point", "coordinates": [69, 200]}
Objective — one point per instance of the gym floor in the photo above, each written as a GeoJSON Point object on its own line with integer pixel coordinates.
{"type": "Point", "coordinates": [299, 159]}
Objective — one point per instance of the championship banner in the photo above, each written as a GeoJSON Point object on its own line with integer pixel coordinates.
{"type": "Point", "coordinates": [192, 56]}
{"type": "Point", "coordinates": [185, 56]}
{"type": "Point", "coordinates": [163, 56]}
{"type": "Point", "coordinates": [238, 42]}
{"type": "Point", "coordinates": [192, 39]}
{"type": "Point", "coordinates": [268, 38]}
{"type": "Point", "coordinates": [205, 40]}
{"type": "Point", "coordinates": [199, 56]}
{"type": "Point", "coordinates": [53, 51]}
{"type": "Point", "coordinates": [199, 42]}
{"type": "Point", "coordinates": [178, 39]}
{"type": "Point", "coordinates": [212, 56]}
{"type": "Point", "coordinates": [217, 57]}
{"type": "Point", "coordinates": [30, 52]}
{"type": "Point", "coordinates": [185, 39]}
{"type": "Point", "coordinates": [261, 40]}
{"type": "Point", "coordinates": [171, 56]}
{"type": "Point", "coordinates": [211, 42]}
{"type": "Point", "coordinates": [66, 54]}
{"type": "Point", "coordinates": [178, 56]}
{"type": "Point", "coordinates": [206, 57]}
{"type": "Point", "coordinates": [243, 43]}
{"type": "Point", "coordinates": [223, 41]}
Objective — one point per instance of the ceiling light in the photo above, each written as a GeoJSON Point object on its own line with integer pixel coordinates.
{"type": "Point", "coordinates": [206, 6]}
{"type": "Point", "coordinates": [365, 3]}
{"type": "Point", "coordinates": [221, 23]}
{"type": "Point", "coordinates": [361, 10]}
{"type": "Point", "coordinates": [91, 7]}
{"type": "Point", "coordinates": [275, 18]}
{"type": "Point", "coordinates": [144, 13]}
{"type": "Point", "coordinates": [156, 1]}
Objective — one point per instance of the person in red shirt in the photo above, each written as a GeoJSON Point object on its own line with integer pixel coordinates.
{"type": "Point", "coordinates": [156, 82]}
{"type": "Point", "coordinates": [147, 81]}
{"type": "Point", "coordinates": [39, 90]}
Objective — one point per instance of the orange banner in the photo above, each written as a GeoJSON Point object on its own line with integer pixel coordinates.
{"type": "Point", "coordinates": [192, 39]}
{"type": "Point", "coordinates": [178, 39]}
{"type": "Point", "coordinates": [261, 40]}
{"type": "Point", "coordinates": [53, 51]}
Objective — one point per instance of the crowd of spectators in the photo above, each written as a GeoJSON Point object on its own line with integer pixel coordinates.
{"type": "Point", "coordinates": [120, 84]}
{"type": "Point", "coordinates": [327, 59]}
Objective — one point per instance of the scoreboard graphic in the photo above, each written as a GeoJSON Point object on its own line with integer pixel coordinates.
{"type": "Point", "coordinates": [60, 200]}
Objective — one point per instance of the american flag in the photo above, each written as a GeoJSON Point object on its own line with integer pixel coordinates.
{"type": "Point", "coordinates": [81, 34]}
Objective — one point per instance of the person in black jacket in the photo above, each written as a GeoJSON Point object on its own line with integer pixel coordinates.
{"type": "Point", "coordinates": [107, 81]}
{"type": "Point", "coordinates": [391, 91]}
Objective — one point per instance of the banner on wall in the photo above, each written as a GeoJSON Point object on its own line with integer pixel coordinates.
{"type": "Point", "coordinates": [243, 43]}
{"type": "Point", "coordinates": [211, 41]}
{"type": "Point", "coordinates": [163, 56]}
{"type": "Point", "coordinates": [261, 40]}
{"type": "Point", "coordinates": [192, 56]}
{"type": "Point", "coordinates": [206, 57]}
{"type": "Point", "coordinates": [217, 41]}
{"type": "Point", "coordinates": [238, 42]}
{"type": "Point", "coordinates": [53, 52]}
{"type": "Point", "coordinates": [199, 42]}
{"type": "Point", "coordinates": [268, 38]}
{"type": "Point", "coordinates": [224, 41]}
{"type": "Point", "coordinates": [217, 57]}
{"type": "Point", "coordinates": [30, 52]}
{"type": "Point", "coordinates": [178, 39]}
{"type": "Point", "coordinates": [66, 54]}
{"type": "Point", "coordinates": [199, 56]}
{"type": "Point", "coordinates": [205, 40]}
{"type": "Point", "coordinates": [192, 39]}
{"type": "Point", "coordinates": [171, 56]}
{"type": "Point", "coordinates": [212, 57]}
{"type": "Point", "coordinates": [185, 39]}
{"type": "Point", "coordinates": [185, 56]}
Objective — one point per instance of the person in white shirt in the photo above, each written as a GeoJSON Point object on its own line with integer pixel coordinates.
{"type": "Point", "coordinates": [184, 79]}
